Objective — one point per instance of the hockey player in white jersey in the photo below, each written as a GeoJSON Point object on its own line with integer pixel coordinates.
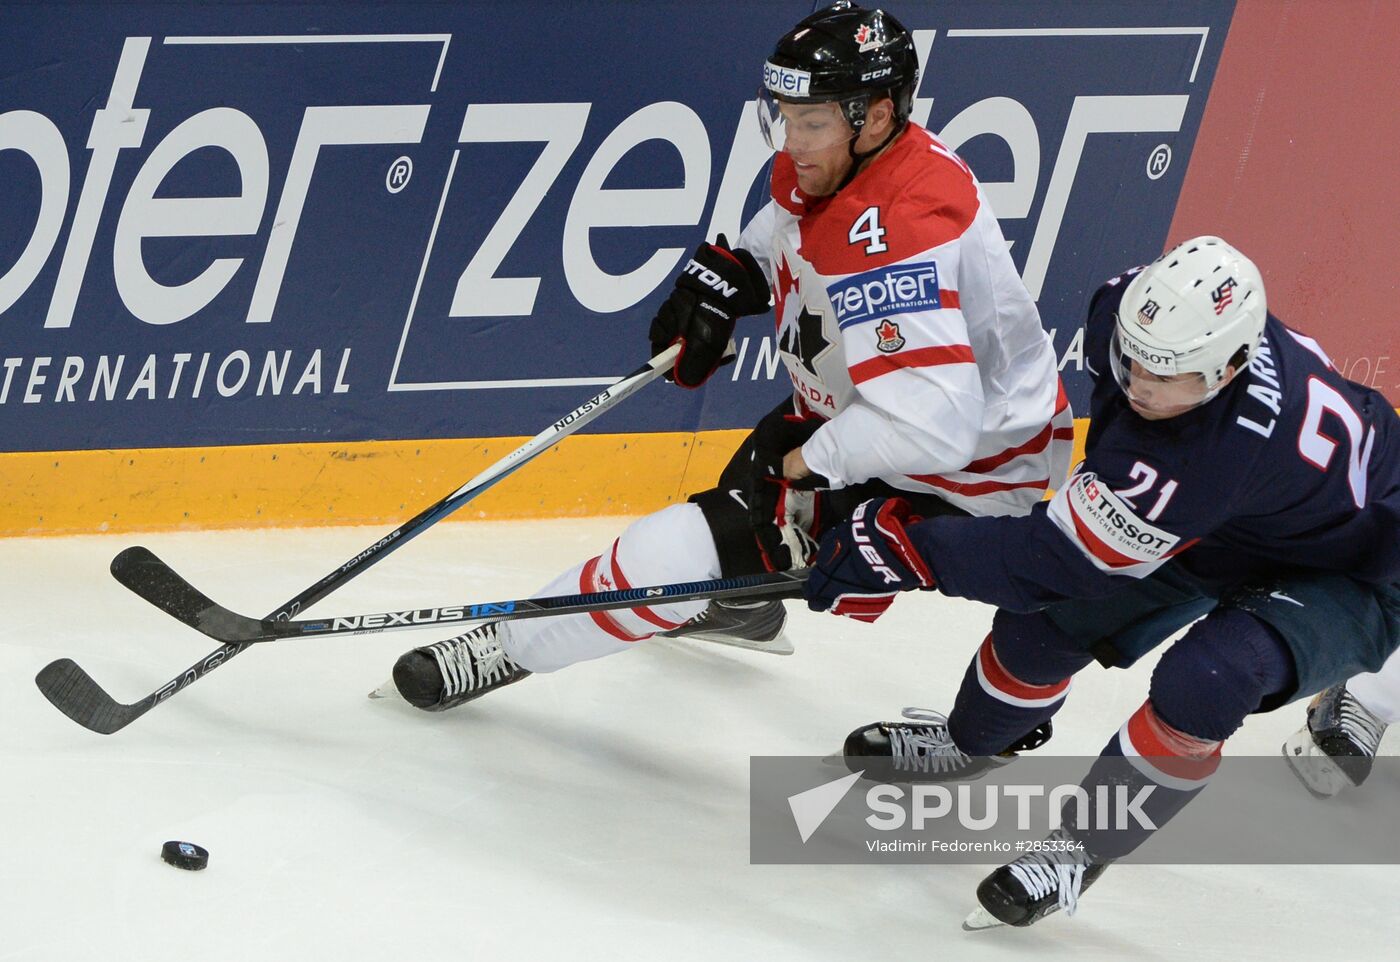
{"type": "Point", "coordinates": [918, 361]}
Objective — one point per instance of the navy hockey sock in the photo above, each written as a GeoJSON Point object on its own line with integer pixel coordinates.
{"type": "Point", "coordinates": [1146, 773]}
{"type": "Point", "coordinates": [996, 706]}
{"type": "Point", "coordinates": [1202, 690]}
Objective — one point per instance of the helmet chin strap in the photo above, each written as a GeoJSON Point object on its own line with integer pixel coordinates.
{"type": "Point", "coordinates": [858, 158]}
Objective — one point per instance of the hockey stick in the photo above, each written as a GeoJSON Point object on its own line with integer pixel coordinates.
{"type": "Point", "coordinates": [148, 576]}
{"type": "Point", "coordinates": [73, 692]}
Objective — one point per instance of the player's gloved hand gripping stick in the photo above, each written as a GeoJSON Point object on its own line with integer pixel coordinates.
{"type": "Point", "coordinates": [866, 560]}
{"type": "Point", "coordinates": [717, 286]}
{"type": "Point", "coordinates": [73, 692]}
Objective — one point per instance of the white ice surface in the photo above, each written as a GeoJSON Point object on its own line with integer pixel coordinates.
{"type": "Point", "coordinates": [598, 813]}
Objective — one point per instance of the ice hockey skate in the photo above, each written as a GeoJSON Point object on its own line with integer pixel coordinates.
{"type": "Point", "coordinates": [449, 673]}
{"type": "Point", "coordinates": [921, 750]}
{"type": "Point", "coordinates": [1335, 749]}
{"type": "Point", "coordinates": [755, 625]}
{"type": "Point", "coordinates": [1036, 884]}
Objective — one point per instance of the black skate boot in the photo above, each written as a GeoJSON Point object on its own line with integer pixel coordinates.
{"type": "Point", "coordinates": [444, 675]}
{"type": "Point", "coordinates": [756, 625]}
{"type": "Point", "coordinates": [1337, 746]}
{"type": "Point", "coordinates": [1036, 884]}
{"type": "Point", "coordinates": [920, 750]}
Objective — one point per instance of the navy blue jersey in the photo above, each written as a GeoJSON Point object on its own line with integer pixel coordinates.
{"type": "Point", "coordinates": [1290, 467]}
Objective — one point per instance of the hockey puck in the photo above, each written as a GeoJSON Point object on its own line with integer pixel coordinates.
{"type": "Point", "coordinates": [185, 855]}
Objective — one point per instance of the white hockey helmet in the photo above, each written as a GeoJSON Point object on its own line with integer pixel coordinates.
{"type": "Point", "coordinates": [1197, 309]}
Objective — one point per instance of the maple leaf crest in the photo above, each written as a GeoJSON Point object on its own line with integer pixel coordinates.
{"type": "Point", "coordinates": [889, 337]}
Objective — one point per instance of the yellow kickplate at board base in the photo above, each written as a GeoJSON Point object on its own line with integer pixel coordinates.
{"type": "Point", "coordinates": [372, 482]}
{"type": "Point", "coordinates": [369, 482]}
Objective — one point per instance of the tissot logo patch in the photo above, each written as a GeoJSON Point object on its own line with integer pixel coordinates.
{"type": "Point", "coordinates": [1107, 528]}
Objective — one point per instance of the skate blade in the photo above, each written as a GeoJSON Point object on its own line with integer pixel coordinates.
{"type": "Point", "coordinates": [1321, 776]}
{"type": "Point", "coordinates": [980, 919]}
{"type": "Point", "coordinates": [386, 690]}
{"type": "Point", "coordinates": [778, 646]}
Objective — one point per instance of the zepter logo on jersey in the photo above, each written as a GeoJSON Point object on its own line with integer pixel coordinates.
{"type": "Point", "coordinates": [885, 291]}
{"type": "Point", "coordinates": [1108, 530]}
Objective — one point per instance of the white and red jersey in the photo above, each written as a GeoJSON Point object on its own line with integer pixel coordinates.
{"type": "Point", "coordinates": [902, 321]}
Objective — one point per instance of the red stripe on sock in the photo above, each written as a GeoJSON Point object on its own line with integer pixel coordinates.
{"type": "Point", "coordinates": [1168, 750]}
{"type": "Point", "coordinates": [1008, 684]}
{"type": "Point", "coordinates": [588, 582]}
{"type": "Point", "coordinates": [642, 612]}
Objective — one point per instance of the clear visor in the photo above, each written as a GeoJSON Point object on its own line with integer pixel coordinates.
{"type": "Point", "coordinates": [801, 128]}
{"type": "Point", "coordinates": [1157, 393]}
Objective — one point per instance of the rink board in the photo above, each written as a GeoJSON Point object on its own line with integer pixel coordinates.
{"type": "Point", "coordinates": [296, 264]}
{"type": "Point", "coordinates": [305, 230]}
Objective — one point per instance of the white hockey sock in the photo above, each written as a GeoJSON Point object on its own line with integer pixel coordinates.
{"type": "Point", "coordinates": [672, 545]}
{"type": "Point", "coordinates": [1379, 692]}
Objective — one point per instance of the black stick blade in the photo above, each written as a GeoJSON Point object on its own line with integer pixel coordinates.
{"type": "Point", "coordinates": [73, 692]}
{"type": "Point", "coordinates": [142, 572]}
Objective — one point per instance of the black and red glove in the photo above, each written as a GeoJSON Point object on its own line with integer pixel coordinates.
{"type": "Point", "coordinates": [783, 513]}
{"type": "Point", "coordinates": [715, 288]}
{"type": "Point", "coordinates": [866, 560]}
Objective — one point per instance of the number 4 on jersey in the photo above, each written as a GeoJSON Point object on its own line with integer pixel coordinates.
{"type": "Point", "coordinates": [867, 228]}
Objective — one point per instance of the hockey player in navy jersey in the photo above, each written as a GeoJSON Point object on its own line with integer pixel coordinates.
{"type": "Point", "coordinates": [1230, 472]}
{"type": "Point", "coordinates": [918, 362]}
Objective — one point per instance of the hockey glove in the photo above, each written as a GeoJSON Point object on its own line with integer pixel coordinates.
{"type": "Point", "coordinates": [782, 512]}
{"type": "Point", "coordinates": [717, 287]}
{"type": "Point", "coordinates": [865, 561]}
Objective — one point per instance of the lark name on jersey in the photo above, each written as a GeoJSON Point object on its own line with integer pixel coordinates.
{"type": "Point", "coordinates": [1269, 393]}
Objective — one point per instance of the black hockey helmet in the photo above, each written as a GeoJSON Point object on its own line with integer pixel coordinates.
{"type": "Point", "coordinates": [847, 55]}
